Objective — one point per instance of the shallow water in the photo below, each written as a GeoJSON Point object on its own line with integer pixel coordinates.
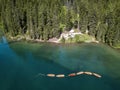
{"type": "Point", "coordinates": [21, 62]}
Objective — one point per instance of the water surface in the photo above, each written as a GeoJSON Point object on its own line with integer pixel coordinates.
{"type": "Point", "coordinates": [21, 62]}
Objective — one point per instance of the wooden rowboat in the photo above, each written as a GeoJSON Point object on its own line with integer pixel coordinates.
{"type": "Point", "coordinates": [51, 75]}
{"type": "Point", "coordinates": [88, 73]}
{"type": "Point", "coordinates": [97, 75]}
{"type": "Point", "coordinates": [78, 73]}
{"type": "Point", "coordinates": [60, 75]}
{"type": "Point", "coordinates": [72, 74]}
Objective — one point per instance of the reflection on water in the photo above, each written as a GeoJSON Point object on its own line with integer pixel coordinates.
{"type": "Point", "coordinates": [21, 62]}
{"type": "Point", "coordinates": [3, 40]}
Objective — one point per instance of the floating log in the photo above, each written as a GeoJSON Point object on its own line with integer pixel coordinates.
{"type": "Point", "coordinates": [88, 73]}
{"type": "Point", "coordinates": [72, 74]}
{"type": "Point", "coordinates": [51, 75]}
{"type": "Point", "coordinates": [78, 73]}
{"type": "Point", "coordinates": [97, 75]}
{"type": "Point", "coordinates": [60, 75]}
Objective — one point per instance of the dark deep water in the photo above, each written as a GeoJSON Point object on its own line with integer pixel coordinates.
{"type": "Point", "coordinates": [21, 62]}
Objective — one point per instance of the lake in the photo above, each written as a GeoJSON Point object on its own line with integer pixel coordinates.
{"type": "Point", "coordinates": [22, 62]}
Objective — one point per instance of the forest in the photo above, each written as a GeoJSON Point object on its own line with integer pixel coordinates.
{"type": "Point", "coordinates": [45, 19]}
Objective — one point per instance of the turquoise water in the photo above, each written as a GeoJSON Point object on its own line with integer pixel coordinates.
{"type": "Point", "coordinates": [21, 62]}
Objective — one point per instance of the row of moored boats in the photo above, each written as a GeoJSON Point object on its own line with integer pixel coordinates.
{"type": "Point", "coordinates": [73, 74]}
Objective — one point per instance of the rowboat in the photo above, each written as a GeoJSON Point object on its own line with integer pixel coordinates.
{"type": "Point", "coordinates": [78, 73]}
{"type": "Point", "coordinates": [97, 75]}
{"type": "Point", "coordinates": [60, 75]}
{"type": "Point", "coordinates": [51, 75]}
{"type": "Point", "coordinates": [72, 74]}
{"type": "Point", "coordinates": [88, 73]}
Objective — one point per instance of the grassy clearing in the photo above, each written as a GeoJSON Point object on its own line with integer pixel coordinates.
{"type": "Point", "coordinates": [78, 39]}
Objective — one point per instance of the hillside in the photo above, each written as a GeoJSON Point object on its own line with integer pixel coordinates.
{"type": "Point", "coordinates": [43, 20]}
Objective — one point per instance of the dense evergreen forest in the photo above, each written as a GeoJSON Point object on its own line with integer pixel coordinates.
{"type": "Point", "coordinates": [45, 19]}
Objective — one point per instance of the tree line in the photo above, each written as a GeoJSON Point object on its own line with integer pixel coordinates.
{"type": "Point", "coordinates": [45, 19]}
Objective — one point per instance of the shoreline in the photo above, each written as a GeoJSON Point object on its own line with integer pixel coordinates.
{"type": "Point", "coordinates": [65, 37]}
{"type": "Point", "coordinates": [52, 40]}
